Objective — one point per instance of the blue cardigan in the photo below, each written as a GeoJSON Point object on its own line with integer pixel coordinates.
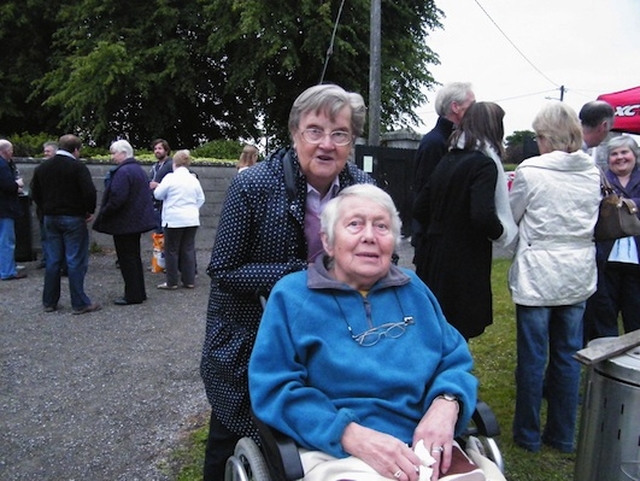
{"type": "Point", "coordinates": [309, 379]}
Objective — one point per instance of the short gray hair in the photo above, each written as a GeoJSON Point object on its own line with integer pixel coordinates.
{"type": "Point", "coordinates": [331, 213]}
{"type": "Point", "coordinates": [122, 146]}
{"type": "Point", "coordinates": [622, 141]}
{"type": "Point", "coordinates": [559, 124]}
{"type": "Point", "coordinates": [5, 145]}
{"type": "Point", "coordinates": [329, 99]}
{"type": "Point", "coordinates": [452, 92]}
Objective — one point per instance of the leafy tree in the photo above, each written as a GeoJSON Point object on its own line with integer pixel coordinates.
{"type": "Point", "coordinates": [279, 51]}
{"type": "Point", "coordinates": [26, 29]}
{"type": "Point", "coordinates": [196, 70]}
{"type": "Point", "coordinates": [519, 146]}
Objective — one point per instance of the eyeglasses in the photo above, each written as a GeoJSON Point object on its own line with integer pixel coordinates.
{"type": "Point", "coordinates": [314, 136]}
{"type": "Point", "coordinates": [392, 330]}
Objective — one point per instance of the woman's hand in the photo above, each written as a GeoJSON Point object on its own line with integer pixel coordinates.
{"type": "Point", "coordinates": [436, 429]}
{"type": "Point", "coordinates": [387, 455]}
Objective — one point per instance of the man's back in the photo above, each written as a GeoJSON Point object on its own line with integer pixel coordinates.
{"type": "Point", "coordinates": [62, 185]}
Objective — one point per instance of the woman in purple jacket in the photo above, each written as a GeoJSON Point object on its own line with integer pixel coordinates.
{"type": "Point", "coordinates": [618, 261]}
{"type": "Point", "coordinates": [126, 212]}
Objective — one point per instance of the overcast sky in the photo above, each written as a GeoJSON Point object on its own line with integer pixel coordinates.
{"type": "Point", "coordinates": [589, 46]}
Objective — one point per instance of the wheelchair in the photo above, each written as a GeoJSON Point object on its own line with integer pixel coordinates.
{"type": "Point", "coordinates": [278, 459]}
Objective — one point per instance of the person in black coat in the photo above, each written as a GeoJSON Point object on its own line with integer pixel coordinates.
{"type": "Point", "coordinates": [10, 187]}
{"type": "Point", "coordinates": [63, 191]}
{"type": "Point", "coordinates": [451, 103]}
{"type": "Point", "coordinates": [457, 213]}
{"type": "Point", "coordinates": [269, 227]}
{"type": "Point", "coordinates": [126, 212]}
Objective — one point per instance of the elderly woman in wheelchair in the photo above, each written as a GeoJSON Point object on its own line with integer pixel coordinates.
{"type": "Point", "coordinates": [354, 359]}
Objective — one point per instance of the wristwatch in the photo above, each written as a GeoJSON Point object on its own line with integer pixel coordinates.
{"type": "Point", "coordinates": [450, 398]}
{"type": "Point", "coordinates": [447, 397]}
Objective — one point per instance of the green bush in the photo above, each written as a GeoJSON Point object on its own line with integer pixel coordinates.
{"type": "Point", "coordinates": [219, 149]}
{"type": "Point", "coordinates": [29, 145]}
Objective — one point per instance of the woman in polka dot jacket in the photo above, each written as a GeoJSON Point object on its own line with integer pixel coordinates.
{"type": "Point", "coordinates": [269, 227]}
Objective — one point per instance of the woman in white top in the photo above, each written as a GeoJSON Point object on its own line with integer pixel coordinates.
{"type": "Point", "coordinates": [182, 198]}
{"type": "Point", "coordinates": [554, 199]}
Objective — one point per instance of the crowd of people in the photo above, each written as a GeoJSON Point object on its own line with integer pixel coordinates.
{"type": "Point", "coordinates": [308, 314]}
{"type": "Point", "coordinates": [132, 203]}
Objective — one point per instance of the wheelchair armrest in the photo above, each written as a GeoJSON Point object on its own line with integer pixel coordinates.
{"type": "Point", "coordinates": [281, 453]}
{"type": "Point", "coordinates": [485, 421]}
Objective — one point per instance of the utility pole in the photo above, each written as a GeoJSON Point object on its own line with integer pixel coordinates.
{"type": "Point", "coordinates": [561, 93]}
{"type": "Point", "coordinates": [374, 75]}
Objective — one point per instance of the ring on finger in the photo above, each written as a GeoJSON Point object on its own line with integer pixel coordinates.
{"type": "Point", "coordinates": [437, 449]}
{"type": "Point", "coordinates": [397, 474]}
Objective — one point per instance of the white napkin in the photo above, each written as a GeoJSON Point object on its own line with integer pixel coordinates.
{"type": "Point", "coordinates": [427, 461]}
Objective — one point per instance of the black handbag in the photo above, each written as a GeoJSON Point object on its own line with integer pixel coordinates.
{"type": "Point", "coordinates": [617, 216]}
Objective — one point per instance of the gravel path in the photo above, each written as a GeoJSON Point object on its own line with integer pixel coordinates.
{"type": "Point", "coordinates": [106, 395]}
{"type": "Point", "coordinates": [101, 396]}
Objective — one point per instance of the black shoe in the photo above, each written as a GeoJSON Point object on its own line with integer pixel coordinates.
{"type": "Point", "coordinates": [123, 302]}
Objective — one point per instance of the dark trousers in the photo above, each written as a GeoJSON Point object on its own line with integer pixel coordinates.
{"type": "Point", "coordinates": [128, 251]}
{"type": "Point", "coordinates": [618, 292]}
{"type": "Point", "coordinates": [220, 445]}
{"type": "Point", "coordinates": [180, 254]}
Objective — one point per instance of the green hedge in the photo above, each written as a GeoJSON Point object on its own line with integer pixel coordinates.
{"type": "Point", "coordinates": [215, 151]}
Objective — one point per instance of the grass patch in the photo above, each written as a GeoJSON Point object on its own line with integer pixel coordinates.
{"type": "Point", "coordinates": [495, 359]}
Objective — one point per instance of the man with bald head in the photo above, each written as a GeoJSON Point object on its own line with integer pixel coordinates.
{"type": "Point", "coordinates": [10, 187]}
{"type": "Point", "coordinates": [597, 119]}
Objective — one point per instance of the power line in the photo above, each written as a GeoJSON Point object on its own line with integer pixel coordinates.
{"type": "Point", "coordinates": [333, 38]}
{"type": "Point", "coordinates": [514, 45]}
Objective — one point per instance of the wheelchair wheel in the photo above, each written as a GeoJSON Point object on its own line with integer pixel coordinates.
{"type": "Point", "coordinates": [247, 463]}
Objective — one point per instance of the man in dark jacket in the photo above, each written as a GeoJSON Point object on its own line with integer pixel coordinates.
{"type": "Point", "coordinates": [10, 186]}
{"type": "Point", "coordinates": [159, 170]}
{"type": "Point", "coordinates": [452, 101]}
{"type": "Point", "coordinates": [63, 190]}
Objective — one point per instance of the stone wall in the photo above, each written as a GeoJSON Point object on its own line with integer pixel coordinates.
{"type": "Point", "coordinates": [214, 180]}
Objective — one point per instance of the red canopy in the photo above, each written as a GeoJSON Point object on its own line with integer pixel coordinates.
{"type": "Point", "coordinates": [627, 106]}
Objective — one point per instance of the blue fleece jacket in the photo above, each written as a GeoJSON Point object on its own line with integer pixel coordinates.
{"type": "Point", "coordinates": [309, 379]}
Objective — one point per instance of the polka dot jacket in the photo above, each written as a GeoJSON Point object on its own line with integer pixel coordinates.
{"type": "Point", "coordinates": [260, 238]}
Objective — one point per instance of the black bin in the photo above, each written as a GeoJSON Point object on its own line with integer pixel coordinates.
{"type": "Point", "coordinates": [24, 249]}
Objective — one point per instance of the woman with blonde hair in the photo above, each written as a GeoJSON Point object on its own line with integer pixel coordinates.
{"type": "Point", "coordinates": [182, 196]}
{"type": "Point", "coordinates": [554, 199]}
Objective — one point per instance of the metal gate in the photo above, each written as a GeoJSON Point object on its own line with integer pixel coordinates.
{"type": "Point", "coordinates": [392, 168]}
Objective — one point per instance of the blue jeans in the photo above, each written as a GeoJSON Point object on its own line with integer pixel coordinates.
{"type": "Point", "coordinates": [558, 329]}
{"type": "Point", "coordinates": [66, 238]}
{"type": "Point", "coordinates": [7, 248]}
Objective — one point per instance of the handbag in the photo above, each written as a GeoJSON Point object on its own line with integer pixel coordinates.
{"type": "Point", "coordinates": [617, 215]}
